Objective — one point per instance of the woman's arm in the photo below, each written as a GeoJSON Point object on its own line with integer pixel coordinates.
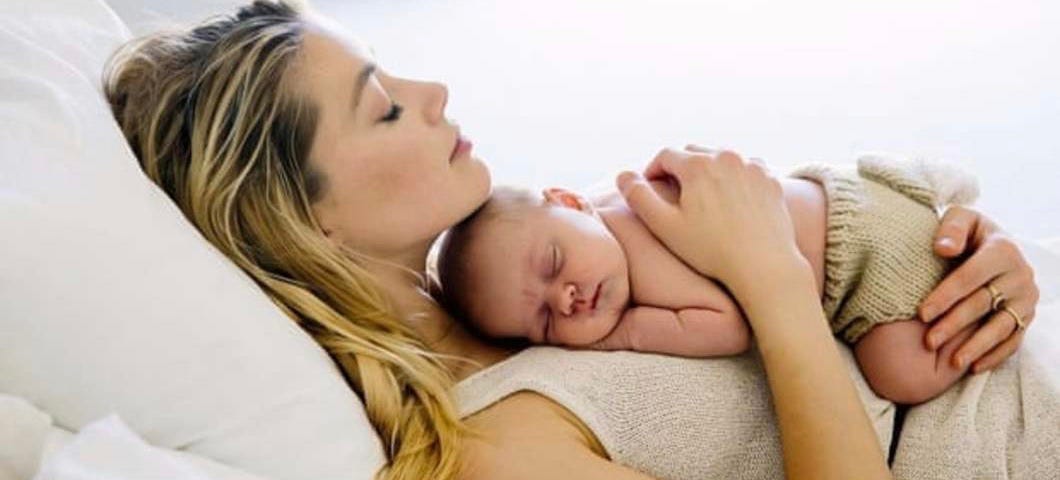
{"type": "Point", "coordinates": [529, 437]}
{"type": "Point", "coordinates": [823, 427]}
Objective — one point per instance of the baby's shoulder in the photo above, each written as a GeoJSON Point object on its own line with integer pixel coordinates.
{"type": "Point", "coordinates": [657, 277]}
{"type": "Point", "coordinates": [666, 190]}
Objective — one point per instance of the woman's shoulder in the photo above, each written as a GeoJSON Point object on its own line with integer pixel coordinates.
{"type": "Point", "coordinates": [522, 426]}
{"type": "Point", "coordinates": [530, 411]}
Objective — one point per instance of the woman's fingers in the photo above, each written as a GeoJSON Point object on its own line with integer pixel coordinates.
{"type": "Point", "coordinates": [645, 202]}
{"type": "Point", "coordinates": [999, 353]}
{"type": "Point", "coordinates": [969, 310]}
{"type": "Point", "coordinates": [982, 266]}
{"type": "Point", "coordinates": [998, 329]}
{"type": "Point", "coordinates": [667, 163]}
{"type": "Point", "coordinates": [957, 225]}
{"type": "Point", "coordinates": [692, 147]}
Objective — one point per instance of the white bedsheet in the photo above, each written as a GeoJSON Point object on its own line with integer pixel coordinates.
{"type": "Point", "coordinates": [31, 447]}
{"type": "Point", "coordinates": [1043, 339]}
{"type": "Point", "coordinates": [107, 448]}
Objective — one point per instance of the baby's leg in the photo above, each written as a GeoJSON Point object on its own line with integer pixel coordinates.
{"type": "Point", "coordinates": [899, 367]}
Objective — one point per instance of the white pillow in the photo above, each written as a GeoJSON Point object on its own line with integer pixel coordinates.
{"type": "Point", "coordinates": [111, 302]}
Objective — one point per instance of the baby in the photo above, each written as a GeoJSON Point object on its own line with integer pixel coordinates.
{"type": "Point", "coordinates": [558, 269]}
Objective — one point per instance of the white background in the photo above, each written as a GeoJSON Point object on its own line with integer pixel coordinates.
{"type": "Point", "coordinates": [565, 92]}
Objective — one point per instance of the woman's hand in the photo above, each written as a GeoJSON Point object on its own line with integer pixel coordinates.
{"type": "Point", "coordinates": [730, 221]}
{"type": "Point", "coordinates": [962, 297]}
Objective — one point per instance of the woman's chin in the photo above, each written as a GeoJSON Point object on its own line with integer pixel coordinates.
{"type": "Point", "coordinates": [483, 180]}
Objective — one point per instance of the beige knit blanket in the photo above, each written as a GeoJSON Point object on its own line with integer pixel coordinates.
{"type": "Point", "coordinates": [1001, 424]}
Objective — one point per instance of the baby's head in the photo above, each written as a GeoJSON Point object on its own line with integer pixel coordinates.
{"type": "Point", "coordinates": [540, 267]}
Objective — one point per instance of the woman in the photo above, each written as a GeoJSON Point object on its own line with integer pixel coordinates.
{"type": "Point", "coordinates": [327, 180]}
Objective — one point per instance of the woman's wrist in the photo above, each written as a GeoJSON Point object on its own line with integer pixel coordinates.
{"type": "Point", "coordinates": [780, 272]}
{"type": "Point", "coordinates": [818, 409]}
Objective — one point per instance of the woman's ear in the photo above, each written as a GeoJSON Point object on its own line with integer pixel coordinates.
{"type": "Point", "coordinates": [567, 198]}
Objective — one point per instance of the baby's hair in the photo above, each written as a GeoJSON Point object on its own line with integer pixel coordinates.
{"type": "Point", "coordinates": [455, 259]}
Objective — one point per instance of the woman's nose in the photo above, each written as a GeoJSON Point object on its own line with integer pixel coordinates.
{"type": "Point", "coordinates": [437, 95]}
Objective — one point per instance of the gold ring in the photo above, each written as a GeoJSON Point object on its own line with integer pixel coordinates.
{"type": "Point", "coordinates": [996, 298]}
{"type": "Point", "coordinates": [1015, 316]}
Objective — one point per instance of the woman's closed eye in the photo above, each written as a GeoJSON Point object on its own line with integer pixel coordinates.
{"type": "Point", "coordinates": [394, 113]}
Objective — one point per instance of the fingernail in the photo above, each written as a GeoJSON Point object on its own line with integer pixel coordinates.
{"type": "Point", "coordinates": [961, 361]}
{"type": "Point", "coordinates": [945, 242]}
{"type": "Point", "coordinates": [927, 314]}
{"type": "Point", "coordinates": [624, 179]}
{"type": "Point", "coordinates": [933, 341]}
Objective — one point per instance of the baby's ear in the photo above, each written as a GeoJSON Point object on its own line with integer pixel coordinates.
{"type": "Point", "coordinates": [567, 198]}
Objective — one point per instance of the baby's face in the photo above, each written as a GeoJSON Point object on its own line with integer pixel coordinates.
{"type": "Point", "coordinates": [552, 274]}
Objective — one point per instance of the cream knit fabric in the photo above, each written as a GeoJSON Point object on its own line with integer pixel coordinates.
{"type": "Point", "coordinates": [669, 417]}
{"type": "Point", "coordinates": [679, 418]}
{"type": "Point", "coordinates": [879, 261]}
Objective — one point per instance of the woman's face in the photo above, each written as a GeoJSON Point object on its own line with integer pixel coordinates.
{"type": "Point", "coordinates": [383, 147]}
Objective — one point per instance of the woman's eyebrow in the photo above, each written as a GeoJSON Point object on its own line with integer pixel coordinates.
{"type": "Point", "coordinates": [362, 81]}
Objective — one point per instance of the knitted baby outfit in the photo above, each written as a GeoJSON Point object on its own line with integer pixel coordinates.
{"type": "Point", "coordinates": [882, 220]}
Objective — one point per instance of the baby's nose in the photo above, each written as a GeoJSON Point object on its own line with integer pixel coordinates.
{"type": "Point", "coordinates": [570, 303]}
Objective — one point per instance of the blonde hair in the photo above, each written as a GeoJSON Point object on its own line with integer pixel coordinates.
{"type": "Point", "coordinates": [211, 116]}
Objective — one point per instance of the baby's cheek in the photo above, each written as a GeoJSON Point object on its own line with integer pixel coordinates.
{"type": "Point", "coordinates": [595, 329]}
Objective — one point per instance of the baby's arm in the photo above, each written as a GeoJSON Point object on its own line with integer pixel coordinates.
{"type": "Point", "coordinates": [688, 332]}
{"type": "Point", "coordinates": [901, 369]}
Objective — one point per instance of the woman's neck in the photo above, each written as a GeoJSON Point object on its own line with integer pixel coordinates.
{"type": "Point", "coordinates": [414, 304]}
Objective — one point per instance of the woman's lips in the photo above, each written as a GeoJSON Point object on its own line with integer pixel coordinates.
{"type": "Point", "coordinates": [462, 145]}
